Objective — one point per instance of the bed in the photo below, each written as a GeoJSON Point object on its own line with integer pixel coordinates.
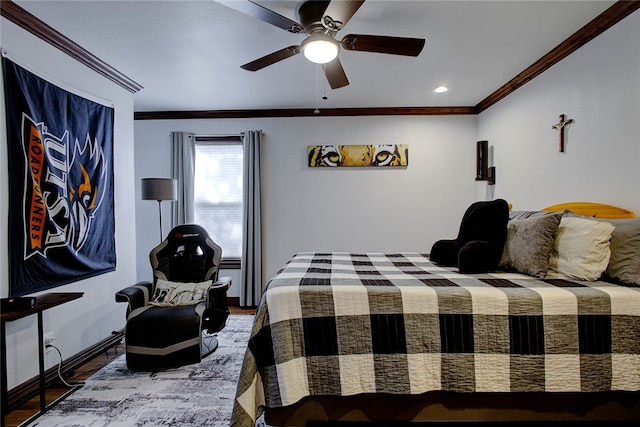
{"type": "Point", "coordinates": [391, 337]}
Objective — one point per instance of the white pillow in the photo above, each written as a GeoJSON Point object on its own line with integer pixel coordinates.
{"type": "Point", "coordinates": [170, 294]}
{"type": "Point", "coordinates": [581, 248]}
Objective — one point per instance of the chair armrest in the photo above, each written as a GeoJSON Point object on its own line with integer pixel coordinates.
{"type": "Point", "coordinates": [218, 293]}
{"type": "Point", "coordinates": [136, 296]}
{"type": "Point", "coordinates": [217, 310]}
{"type": "Point", "coordinates": [222, 282]}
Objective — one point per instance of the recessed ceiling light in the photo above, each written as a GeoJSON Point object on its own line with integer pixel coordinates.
{"type": "Point", "coordinates": [441, 89]}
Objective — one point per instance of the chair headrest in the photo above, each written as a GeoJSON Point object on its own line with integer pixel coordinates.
{"type": "Point", "coordinates": [187, 233]}
{"type": "Point", "coordinates": [187, 254]}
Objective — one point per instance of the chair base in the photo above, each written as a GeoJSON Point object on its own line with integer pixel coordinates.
{"type": "Point", "coordinates": [209, 345]}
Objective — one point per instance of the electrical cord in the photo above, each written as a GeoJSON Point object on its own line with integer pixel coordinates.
{"type": "Point", "coordinates": [68, 384]}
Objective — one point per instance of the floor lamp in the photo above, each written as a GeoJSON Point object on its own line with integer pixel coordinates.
{"type": "Point", "coordinates": [159, 189]}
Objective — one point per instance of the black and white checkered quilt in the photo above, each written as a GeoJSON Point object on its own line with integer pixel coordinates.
{"type": "Point", "coordinates": [344, 324]}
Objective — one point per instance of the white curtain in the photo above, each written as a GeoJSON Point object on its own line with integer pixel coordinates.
{"type": "Point", "coordinates": [252, 274]}
{"type": "Point", "coordinates": [183, 146]}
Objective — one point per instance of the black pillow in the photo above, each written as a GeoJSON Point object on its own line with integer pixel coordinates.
{"type": "Point", "coordinates": [481, 238]}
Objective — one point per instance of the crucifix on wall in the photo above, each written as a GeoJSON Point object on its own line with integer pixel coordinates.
{"type": "Point", "coordinates": [560, 128]}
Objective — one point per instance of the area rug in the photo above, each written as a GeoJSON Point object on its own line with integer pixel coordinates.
{"type": "Point", "coordinates": [201, 394]}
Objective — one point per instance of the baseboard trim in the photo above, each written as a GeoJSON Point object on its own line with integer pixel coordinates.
{"type": "Point", "coordinates": [30, 388]}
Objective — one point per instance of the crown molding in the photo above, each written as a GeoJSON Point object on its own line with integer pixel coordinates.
{"type": "Point", "coordinates": [597, 26]}
{"type": "Point", "coordinates": [303, 112]}
{"type": "Point", "coordinates": [35, 26]}
{"type": "Point", "coordinates": [607, 19]}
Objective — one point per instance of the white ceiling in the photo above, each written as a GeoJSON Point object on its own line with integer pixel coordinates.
{"type": "Point", "coordinates": [187, 54]}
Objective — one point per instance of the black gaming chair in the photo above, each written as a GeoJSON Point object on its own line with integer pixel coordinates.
{"type": "Point", "coordinates": [166, 318]}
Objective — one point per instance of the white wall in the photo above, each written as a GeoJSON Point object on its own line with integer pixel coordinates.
{"type": "Point", "coordinates": [598, 87]}
{"type": "Point", "coordinates": [335, 209]}
{"type": "Point", "coordinates": [308, 209]}
{"type": "Point", "coordinates": [81, 323]}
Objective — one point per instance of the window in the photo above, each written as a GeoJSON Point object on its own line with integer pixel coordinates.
{"type": "Point", "coordinates": [218, 201]}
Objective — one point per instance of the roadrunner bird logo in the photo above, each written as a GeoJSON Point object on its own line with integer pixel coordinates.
{"type": "Point", "coordinates": [64, 188]}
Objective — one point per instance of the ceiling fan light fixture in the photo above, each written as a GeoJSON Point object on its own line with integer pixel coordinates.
{"type": "Point", "coordinates": [320, 48]}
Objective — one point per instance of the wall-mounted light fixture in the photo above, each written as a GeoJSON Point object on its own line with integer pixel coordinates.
{"type": "Point", "coordinates": [483, 171]}
{"type": "Point", "coordinates": [491, 175]}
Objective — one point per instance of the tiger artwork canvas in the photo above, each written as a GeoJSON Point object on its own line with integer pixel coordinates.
{"type": "Point", "coordinates": [358, 155]}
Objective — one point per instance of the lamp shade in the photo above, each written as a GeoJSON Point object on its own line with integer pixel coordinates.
{"type": "Point", "coordinates": [320, 48]}
{"type": "Point", "coordinates": [159, 189]}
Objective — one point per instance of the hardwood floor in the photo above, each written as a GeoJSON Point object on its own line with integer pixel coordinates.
{"type": "Point", "coordinates": [22, 413]}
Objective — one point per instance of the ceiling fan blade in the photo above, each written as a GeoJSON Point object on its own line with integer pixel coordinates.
{"type": "Point", "coordinates": [335, 74]}
{"type": "Point", "coordinates": [251, 8]}
{"type": "Point", "coordinates": [271, 58]}
{"type": "Point", "coordinates": [342, 11]}
{"type": "Point", "coordinates": [383, 44]}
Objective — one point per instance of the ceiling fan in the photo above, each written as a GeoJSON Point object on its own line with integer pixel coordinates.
{"type": "Point", "coordinates": [320, 21]}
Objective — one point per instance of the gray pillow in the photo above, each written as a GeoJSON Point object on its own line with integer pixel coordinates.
{"type": "Point", "coordinates": [521, 214]}
{"type": "Point", "coordinates": [529, 244]}
{"type": "Point", "coordinates": [624, 263]}
{"type": "Point", "coordinates": [533, 214]}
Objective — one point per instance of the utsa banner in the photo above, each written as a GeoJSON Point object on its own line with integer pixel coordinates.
{"type": "Point", "coordinates": [60, 167]}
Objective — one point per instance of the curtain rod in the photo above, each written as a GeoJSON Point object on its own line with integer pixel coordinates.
{"type": "Point", "coordinates": [218, 138]}
{"type": "Point", "coordinates": [222, 135]}
{"type": "Point", "coordinates": [263, 133]}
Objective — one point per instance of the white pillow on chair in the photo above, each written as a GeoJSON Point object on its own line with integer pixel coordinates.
{"type": "Point", "coordinates": [171, 294]}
